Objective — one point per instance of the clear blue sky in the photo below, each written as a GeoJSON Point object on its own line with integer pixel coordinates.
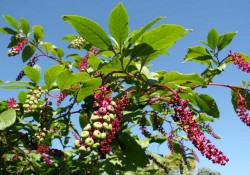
{"type": "Point", "coordinates": [200, 15]}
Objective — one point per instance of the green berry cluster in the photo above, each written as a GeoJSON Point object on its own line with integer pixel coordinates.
{"type": "Point", "coordinates": [99, 127]}
{"type": "Point", "coordinates": [32, 98]}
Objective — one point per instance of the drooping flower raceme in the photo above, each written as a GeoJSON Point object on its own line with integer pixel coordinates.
{"type": "Point", "coordinates": [194, 133]}
{"type": "Point", "coordinates": [237, 59]}
{"type": "Point", "coordinates": [17, 49]}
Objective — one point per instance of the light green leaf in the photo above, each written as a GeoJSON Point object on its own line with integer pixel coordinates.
{"type": "Point", "coordinates": [15, 85]}
{"type": "Point", "coordinates": [7, 118]}
{"type": "Point", "coordinates": [28, 52]}
{"type": "Point", "coordinates": [88, 88]}
{"type": "Point", "coordinates": [25, 26]}
{"type": "Point", "coordinates": [118, 24]}
{"type": "Point", "coordinates": [38, 33]}
{"type": "Point", "coordinates": [51, 74]}
{"type": "Point", "coordinates": [225, 40]}
{"type": "Point", "coordinates": [90, 31]}
{"type": "Point", "coordinates": [12, 21]}
{"type": "Point", "coordinates": [212, 38]}
{"type": "Point", "coordinates": [199, 54]}
{"type": "Point", "coordinates": [65, 80]}
{"type": "Point", "coordinates": [179, 79]}
{"type": "Point", "coordinates": [22, 96]}
{"type": "Point", "coordinates": [140, 32]}
{"type": "Point", "coordinates": [69, 37]}
{"type": "Point", "coordinates": [81, 76]}
{"type": "Point", "coordinates": [162, 37]}
{"type": "Point", "coordinates": [210, 73]}
{"type": "Point", "coordinates": [94, 61]}
{"type": "Point", "coordinates": [32, 73]}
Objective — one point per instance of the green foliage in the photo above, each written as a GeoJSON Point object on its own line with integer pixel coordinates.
{"type": "Point", "coordinates": [92, 102]}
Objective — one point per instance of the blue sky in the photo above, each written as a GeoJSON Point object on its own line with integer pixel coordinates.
{"type": "Point", "coordinates": [199, 15]}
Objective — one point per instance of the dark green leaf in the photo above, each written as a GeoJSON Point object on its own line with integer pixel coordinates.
{"type": "Point", "coordinates": [225, 40]}
{"type": "Point", "coordinates": [7, 118]}
{"type": "Point", "coordinates": [148, 58]}
{"type": "Point", "coordinates": [90, 31]}
{"type": "Point", "coordinates": [83, 119]}
{"type": "Point", "coordinates": [12, 21]}
{"type": "Point", "coordinates": [199, 54]}
{"type": "Point", "coordinates": [130, 148]}
{"type": "Point", "coordinates": [65, 80]}
{"type": "Point", "coordinates": [38, 33]}
{"type": "Point", "coordinates": [139, 50]}
{"type": "Point", "coordinates": [7, 30]}
{"type": "Point", "coordinates": [32, 73]}
{"type": "Point", "coordinates": [25, 26]}
{"type": "Point", "coordinates": [94, 61]}
{"type": "Point", "coordinates": [51, 74]}
{"type": "Point", "coordinates": [28, 52]}
{"type": "Point", "coordinates": [118, 24]}
{"type": "Point", "coordinates": [140, 32]}
{"type": "Point", "coordinates": [212, 38]}
{"type": "Point", "coordinates": [88, 88]}
{"type": "Point", "coordinates": [179, 79]}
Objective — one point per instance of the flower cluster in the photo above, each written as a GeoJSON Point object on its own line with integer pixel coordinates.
{"type": "Point", "coordinates": [210, 130]}
{"type": "Point", "coordinates": [77, 43]}
{"type": "Point", "coordinates": [183, 154]}
{"type": "Point", "coordinates": [170, 141]}
{"type": "Point", "coordinates": [194, 133]}
{"type": "Point", "coordinates": [84, 62]}
{"type": "Point", "coordinates": [17, 49]}
{"type": "Point", "coordinates": [143, 128]}
{"type": "Point", "coordinates": [31, 63]}
{"type": "Point", "coordinates": [61, 97]}
{"type": "Point", "coordinates": [12, 104]}
{"type": "Point", "coordinates": [237, 59]}
{"type": "Point", "coordinates": [241, 109]}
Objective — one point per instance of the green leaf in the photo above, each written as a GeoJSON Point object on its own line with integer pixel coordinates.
{"type": "Point", "coordinates": [47, 46]}
{"type": "Point", "coordinates": [65, 80]}
{"type": "Point", "coordinates": [7, 118]}
{"type": "Point", "coordinates": [90, 31]}
{"type": "Point", "coordinates": [15, 85]}
{"type": "Point", "coordinates": [225, 40]}
{"type": "Point", "coordinates": [22, 96]}
{"type": "Point", "coordinates": [162, 37]}
{"type": "Point", "coordinates": [25, 26]}
{"type": "Point", "coordinates": [199, 54]}
{"type": "Point", "coordinates": [157, 157]}
{"type": "Point", "coordinates": [32, 73]}
{"type": "Point", "coordinates": [81, 76]}
{"type": "Point", "coordinates": [114, 65]}
{"type": "Point", "coordinates": [208, 105]}
{"type": "Point", "coordinates": [7, 30]}
{"type": "Point", "coordinates": [94, 61]}
{"type": "Point", "coordinates": [148, 58]}
{"type": "Point", "coordinates": [12, 21]}
{"type": "Point", "coordinates": [151, 76]}
{"type": "Point", "coordinates": [130, 148]}
{"type": "Point", "coordinates": [69, 37]}
{"type": "Point", "coordinates": [28, 52]}
{"type": "Point", "coordinates": [59, 52]}
{"type": "Point", "coordinates": [179, 79]}
{"type": "Point", "coordinates": [51, 74]}
{"type": "Point", "coordinates": [210, 73]}
{"type": "Point", "coordinates": [140, 32]}
{"type": "Point", "coordinates": [212, 38]}
{"type": "Point", "coordinates": [83, 119]}
{"type": "Point", "coordinates": [38, 33]}
{"type": "Point", "coordinates": [88, 88]}
{"type": "Point", "coordinates": [139, 50]}
{"type": "Point", "coordinates": [118, 24]}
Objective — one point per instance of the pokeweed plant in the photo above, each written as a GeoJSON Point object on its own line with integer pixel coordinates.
{"type": "Point", "coordinates": [109, 87]}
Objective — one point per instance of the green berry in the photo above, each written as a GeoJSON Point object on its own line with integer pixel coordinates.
{"type": "Point", "coordinates": [89, 141]}
{"type": "Point", "coordinates": [94, 117]}
{"type": "Point", "coordinates": [77, 143]}
{"type": "Point", "coordinates": [87, 127]}
{"type": "Point", "coordinates": [103, 135]}
{"type": "Point", "coordinates": [84, 134]}
{"type": "Point", "coordinates": [97, 125]}
{"type": "Point", "coordinates": [106, 118]}
{"type": "Point", "coordinates": [97, 134]}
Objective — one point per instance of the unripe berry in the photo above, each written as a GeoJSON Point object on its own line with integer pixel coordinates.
{"type": "Point", "coordinates": [87, 127]}
{"type": "Point", "coordinates": [96, 145]}
{"type": "Point", "coordinates": [106, 118]}
{"type": "Point", "coordinates": [97, 134]}
{"type": "Point", "coordinates": [97, 125]}
{"type": "Point", "coordinates": [112, 116]}
{"type": "Point", "coordinates": [106, 126]}
{"type": "Point", "coordinates": [94, 117]}
{"type": "Point", "coordinates": [84, 134]}
{"type": "Point", "coordinates": [89, 141]}
{"type": "Point", "coordinates": [103, 135]}
{"type": "Point", "coordinates": [110, 108]}
{"type": "Point", "coordinates": [83, 149]}
{"type": "Point", "coordinates": [102, 110]}
{"type": "Point", "coordinates": [77, 143]}
{"type": "Point", "coordinates": [113, 103]}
